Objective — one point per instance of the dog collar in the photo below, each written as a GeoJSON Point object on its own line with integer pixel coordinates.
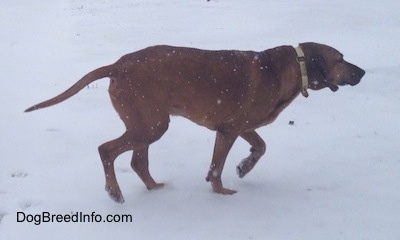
{"type": "Point", "coordinates": [304, 78]}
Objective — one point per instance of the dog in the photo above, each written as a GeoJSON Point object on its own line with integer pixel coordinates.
{"type": "Point", "coordinates": [228, 91]}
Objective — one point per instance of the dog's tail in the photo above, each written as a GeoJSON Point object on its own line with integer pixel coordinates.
{"type": "Point", "coordinates": [107, 71]}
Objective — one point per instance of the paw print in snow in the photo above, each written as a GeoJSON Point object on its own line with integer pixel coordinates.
{"type": "Point", "coordinates": [19, 174]}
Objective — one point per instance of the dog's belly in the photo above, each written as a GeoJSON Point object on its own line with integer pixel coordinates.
{"type": "Point", "coordinates": [208, 112]}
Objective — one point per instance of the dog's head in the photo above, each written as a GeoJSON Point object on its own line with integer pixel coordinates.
{"type": "Point", "coordinates": [327, 68]}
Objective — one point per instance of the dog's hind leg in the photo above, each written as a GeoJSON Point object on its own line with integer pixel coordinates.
{"type": "Point", "coordinates": [109, 151]}
{"type": "Point", "coordinates": [257, 150]}
{"type": "Point", "coordinates": [140, 164]}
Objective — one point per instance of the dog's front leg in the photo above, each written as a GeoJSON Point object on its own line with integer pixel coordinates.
{"type": "Point", "coordinates": [223, 144]}
{"type": "Point", "coordinates": [257, 150]}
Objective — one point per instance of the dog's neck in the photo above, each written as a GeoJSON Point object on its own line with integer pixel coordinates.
{"type": "Point", "coordinates": [304, 78]}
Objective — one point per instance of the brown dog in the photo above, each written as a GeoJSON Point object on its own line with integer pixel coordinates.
{"type": "Point", "coordinates": [230, 92]}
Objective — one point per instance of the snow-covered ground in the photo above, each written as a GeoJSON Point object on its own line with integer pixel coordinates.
{"type": "Point", "coordinates": [334, 174]}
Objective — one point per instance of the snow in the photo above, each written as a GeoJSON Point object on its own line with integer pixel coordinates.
{"type": "Point", "coordinates": [333, 173]}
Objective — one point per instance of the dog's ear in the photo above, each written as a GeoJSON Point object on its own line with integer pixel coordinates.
{"type": "Point", "coordinates": [315, 62]}
{"type": "Point", "coordinates": [316, 68]}
{"type": "Point", "coordinates": [318, 78]}
{"type": "Point", "coordinates": [320, 63]}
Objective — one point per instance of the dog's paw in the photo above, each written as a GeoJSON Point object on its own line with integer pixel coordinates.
{"type": "Point", "coordinates": [218, 188]}
{"type": "Point", "coordinates": [116, 196]}
{"type": "Point", "coordinates": [226, 191]}
{"type": "Point", "coordinates": [117, 199]}
{"type": "Point", "coordinates": [239, 170]}
{"type": "Point", "coordinates": [245, 166]}
{"type": "Point", "coordinates": [156, 186]}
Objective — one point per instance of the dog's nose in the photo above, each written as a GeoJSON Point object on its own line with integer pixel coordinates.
{"type": "Point", "coordinates": [361, 72]}
{"type": "Point", "coordinates": [356, 76]}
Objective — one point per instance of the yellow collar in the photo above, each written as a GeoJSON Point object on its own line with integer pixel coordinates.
{"type": "Point", "coordinates": [304, 78]}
